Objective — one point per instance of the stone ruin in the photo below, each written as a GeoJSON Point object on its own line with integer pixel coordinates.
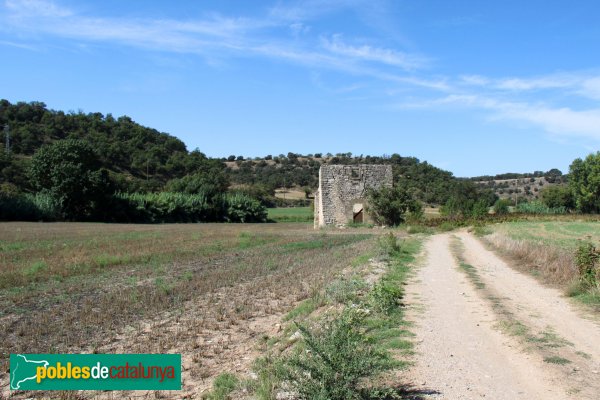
{"type": "Point", "coordinates": [342, 192]}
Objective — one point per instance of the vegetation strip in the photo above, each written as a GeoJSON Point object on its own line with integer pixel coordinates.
{"type": "Point", "coordinates": [544, 341]}
{"type": "Point", "coordinates": [332, 353]}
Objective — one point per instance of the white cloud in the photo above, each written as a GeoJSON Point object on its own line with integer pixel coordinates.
{"type": "Point", "coordinates": [375, 54]}
{"type": "Point", "coordinates": [562, 121]}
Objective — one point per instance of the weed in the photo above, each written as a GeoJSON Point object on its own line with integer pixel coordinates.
{"type": "Point", "coordinates": [344, 290]}
{"type": "Point", "coordinates": [36, 269]}
{"type": "Point", "coordinates": [586, 259]}
{"type": "Point", "coordinates": [223, 386]}
{"type": "Point", "coordinates": [385, 296]}
{"type": "Point", "coordinates": [388, 245]}
{"type": "Point", "coordinates": [556, 360]}
{"type": "Point", "coordinates": [338, 357]}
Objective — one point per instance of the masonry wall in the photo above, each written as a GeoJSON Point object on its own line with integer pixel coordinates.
{"type": "Point", "coordinates": [343, 190]}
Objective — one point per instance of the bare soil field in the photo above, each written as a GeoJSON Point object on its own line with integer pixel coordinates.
{"type": "Point", "coordinates": [487, 331]}
{"type": "Point", "coordinates": [212, 292]}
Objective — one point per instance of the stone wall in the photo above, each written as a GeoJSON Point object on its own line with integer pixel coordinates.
{"type": "Point", "coordinates": [342, 192]}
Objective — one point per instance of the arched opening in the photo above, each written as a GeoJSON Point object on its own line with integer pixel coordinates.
{"type": "Point", "coordinates": [357, 213]}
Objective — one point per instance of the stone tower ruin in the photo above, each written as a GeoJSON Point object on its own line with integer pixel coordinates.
{"type": "Point", "coordinates": [342, 192]}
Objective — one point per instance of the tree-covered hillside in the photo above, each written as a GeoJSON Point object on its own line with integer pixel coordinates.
{"type": "Point", "coordinates": [139, 158]}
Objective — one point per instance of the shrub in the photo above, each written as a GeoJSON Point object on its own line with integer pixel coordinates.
{"type": "Point", "coordinates": [537, 207]}
{"type": "Point", "coordinates": [29, 207]}
{"type": "Point", "coordinates": [558, 196]}
{"type": "Point", "coordinates": [338, 358]}
{"type": "Point", "coordinates": [389, 206]}
{"type": "Point", "coordinates": [385, 296]}
{"type": "Point", "coordinates": [388, 244]}
{"type": "Point", "coordinates": [586, 259]}
{"type": "Point", "coordinates": [501, 206]}
{"type": "Point", "coordinates": [241, 208]}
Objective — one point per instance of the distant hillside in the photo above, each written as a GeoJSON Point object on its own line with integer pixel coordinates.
{"type": "Point", "coordinates": [428, 183]}
{"type": "Point", "coordinates": [142, 159]}
{"type": "Point", "coordinates": [520, 186]}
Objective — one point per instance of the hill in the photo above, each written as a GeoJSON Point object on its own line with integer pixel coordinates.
{"type": "Point", "coordinates": [142, 159]}
{"type": "Point", "coordinates": [139, 158]}
{"type": "Point", "coordinates": [527, 186]}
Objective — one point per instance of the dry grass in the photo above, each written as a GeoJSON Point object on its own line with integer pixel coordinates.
{"type": "Point", "coordinates": [554, 265]}
{"type": "Point", "coordinates": [204, 290]}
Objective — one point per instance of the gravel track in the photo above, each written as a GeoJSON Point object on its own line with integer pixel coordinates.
{"type": "Point", "coordinates": [462, 352]}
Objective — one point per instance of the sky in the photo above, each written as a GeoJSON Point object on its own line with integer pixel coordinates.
{"type": "Point", "coordinates": [473, 87]}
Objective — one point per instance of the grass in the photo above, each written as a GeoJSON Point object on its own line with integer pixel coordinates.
{"type": "Point", "coordinates": [562, 234]}
{"type": "Point", "coordinates": [350, 332]}
{"type": "Point", "coordinates": [291, 214]}
{"type": "Point", "coordinates": [556, 360]}
{"type": "Point", "coordinates": [223, 386]}
{"type": "Point", "coordinates": [546, 249]}
{"type": "Point", "coordinates": [92, 287]}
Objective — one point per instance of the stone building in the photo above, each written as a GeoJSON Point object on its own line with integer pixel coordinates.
{"type": "Point", "coordinates": [342, 192]}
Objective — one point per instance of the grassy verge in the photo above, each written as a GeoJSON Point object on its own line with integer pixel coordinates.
{"type": "Point", "coordinates": [548, 250]}
{"type": "Point", "coordinates": [343, 341]}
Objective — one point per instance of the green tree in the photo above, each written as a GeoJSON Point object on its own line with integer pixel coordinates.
{"type": "Point", "coordinates": [558, 196]}
{"type": "Point", "coordinates": [501, 206]}
{"type": "Point", "coordinates": [584, 180]}
{"type": "Point", "coordinates": [389, 206]}
{"type": "Point", "coordinates": [69, 172]}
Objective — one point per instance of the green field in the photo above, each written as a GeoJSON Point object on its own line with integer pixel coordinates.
{"type": "Point", "coordinates": [293, 214]}
{"type": "Point", "coordinates": [562, 234]}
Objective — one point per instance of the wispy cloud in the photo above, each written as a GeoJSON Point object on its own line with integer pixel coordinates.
{"type": "Point", "coordinates": [561, 121]}
{"type": "Point", "coordinates": [336, 45]}
{"type": "Point", "coordinates": [218, 36]}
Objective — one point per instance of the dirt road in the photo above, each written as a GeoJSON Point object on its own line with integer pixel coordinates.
{"type": "Point", "coordinates": [487, 331]}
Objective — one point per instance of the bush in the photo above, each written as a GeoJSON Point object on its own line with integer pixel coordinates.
{"type": "Point", "coordinates": [338, 358]}
{"type": "Point", "coordinates": [501, 206]}
{"type": "Point", "coordinates": [537, 207]}
{"type": "Point", "coordinates": [558, 196]}
{"type": "Point", "coordinates": [385, 297]}
{"type": "Point", "coordinates": [586, 259]}
{"type": "Point", "coordinates": [181, 207]}
{"type": "Point", "coordinates": [388, 244]}
{"type": "Point", "coordinates": [29, 207]}
{"type": "Point", "coordinates": [389, 206]}
{"type": "Point", "coordinates": [241, 208]}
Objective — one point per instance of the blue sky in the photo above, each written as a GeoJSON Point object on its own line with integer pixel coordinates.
{"type": "Point", "coordinates": [474, 87]}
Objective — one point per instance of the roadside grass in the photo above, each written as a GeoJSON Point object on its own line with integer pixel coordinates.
{"type": "Point", "coordinates": [346, 335]}
{"type": "Point", "coordinates": [547, 250]}
{"type": "Point", "coordinates": [291, 214]}
{"type": "Point", "coordinates": [223, 275]}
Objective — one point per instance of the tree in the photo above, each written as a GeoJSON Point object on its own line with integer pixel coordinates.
{"type": "Point", "coordinates": [584, 180]}
{"type": "Point", "coordinates": [558, 196]}
{"type": "Point", "coordinates": [501, 206]}
{"type": "Point", "coordinates": [389, 205]}
{"type": "Point", "coordinates": [69, 172]}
